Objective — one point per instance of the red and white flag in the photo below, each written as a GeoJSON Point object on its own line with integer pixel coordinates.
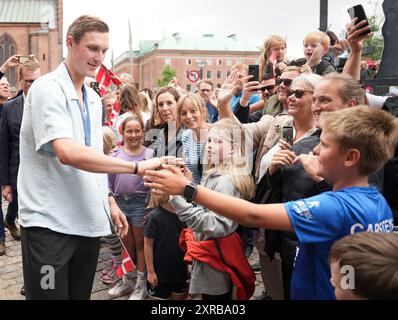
{"type": "Point", "coordinates": [274, 61]}
{"type": "Point", "coordinates": [127, 264]}
{"type": "Point", "coordinates": [105, 77]}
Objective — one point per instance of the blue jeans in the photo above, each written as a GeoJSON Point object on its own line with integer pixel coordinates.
{"type": "Point", "coordinates": [12, 213]}
{"type": "Point", "coordinates": [134, 208]}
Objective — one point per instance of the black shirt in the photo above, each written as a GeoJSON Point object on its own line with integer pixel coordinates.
{"type": "Point", "coordinates": [165, 228]}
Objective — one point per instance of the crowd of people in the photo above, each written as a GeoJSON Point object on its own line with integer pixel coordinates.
{"type": "Point", "coordinates": [295, 163]}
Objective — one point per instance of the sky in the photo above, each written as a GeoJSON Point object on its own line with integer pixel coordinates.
{"type": "Point", "coordinates": [251, 20]}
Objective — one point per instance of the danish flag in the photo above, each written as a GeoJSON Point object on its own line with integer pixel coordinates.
{"type": "Point", "coordinates": [105, 77]}
{"type": "Point", "coordinates": [127, 264]}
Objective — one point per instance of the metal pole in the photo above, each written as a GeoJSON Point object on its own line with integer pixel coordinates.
{"type": "Point", "coordinates": [323, 15]}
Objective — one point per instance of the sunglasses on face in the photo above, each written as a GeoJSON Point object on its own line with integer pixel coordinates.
{"type": "Point", "coordinates": [297, 93]}
{"type": "Point", "coordinates": [286, 82]}
{"type": "Point", "coordinates": [268, 88]}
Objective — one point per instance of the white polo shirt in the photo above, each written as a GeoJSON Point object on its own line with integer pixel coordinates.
{"type": "Point", "coordinates": [52, 195]}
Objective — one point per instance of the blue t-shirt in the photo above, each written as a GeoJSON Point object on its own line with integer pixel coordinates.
{"type": "Point", "coordinates": [236, 98]}
{"type": "Point", "coordinates": [321, 220]}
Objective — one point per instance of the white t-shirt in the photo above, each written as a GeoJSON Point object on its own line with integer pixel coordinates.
{"type": "Point", "coordinates": [52, 195]}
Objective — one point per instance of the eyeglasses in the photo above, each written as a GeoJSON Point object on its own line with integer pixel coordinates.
{"type": "Point", "coordinates": [286, 82]}
{"type": "Point", "coordinates": [29, 81]}
{"type": "Point", "coordinates": [297, 93]}
{"type": "Point", "coordinates": [268, 88]}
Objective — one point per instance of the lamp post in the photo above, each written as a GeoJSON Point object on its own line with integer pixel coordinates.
{"type": "Point", "coordinates": [201, 64]}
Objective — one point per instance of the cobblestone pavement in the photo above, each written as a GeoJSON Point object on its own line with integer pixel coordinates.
{"type": "Point", "coordinates": [11, 278]}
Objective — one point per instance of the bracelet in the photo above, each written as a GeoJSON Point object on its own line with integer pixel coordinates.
{"type": "Point", "coordinates": [135, 168]}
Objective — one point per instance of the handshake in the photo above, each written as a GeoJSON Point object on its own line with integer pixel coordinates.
{"type": "Point", "coordinates": [165, 175]}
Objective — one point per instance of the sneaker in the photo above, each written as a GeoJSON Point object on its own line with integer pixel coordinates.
{"type": "Point", "coordinates": [122, 288]}
{"type": "Point", "coordinates": [2, 247]}
{"type": "Point", "coordinates": [256, 267]}
{"type": "Point", "coordinates": [138, 294]}
{"type": "Point", "coordinates": [13, 230]}
{"type": "Point", "coordinates": [248, 252]}
{"type": "Point", "coordinates": [264, 296]}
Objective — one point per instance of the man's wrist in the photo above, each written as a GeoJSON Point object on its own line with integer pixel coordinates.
{"type": "Point", "coordinates": [244, 102]}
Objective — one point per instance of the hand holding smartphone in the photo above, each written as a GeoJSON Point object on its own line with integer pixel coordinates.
{"type": "Point", "coordinates": [23, 59]}
{"type": "Point", "coordinates": [359, 13]}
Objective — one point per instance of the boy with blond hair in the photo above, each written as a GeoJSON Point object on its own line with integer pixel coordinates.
{"type": "Point", "coordinates": [374, 258]}
{"type": "Point", "coordinates": [354, 143]}
{"type": "Point", "coordinates": [316, 44]}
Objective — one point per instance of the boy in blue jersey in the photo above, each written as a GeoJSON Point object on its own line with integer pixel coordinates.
{"type": "Point", "coordinates": [355, 142]}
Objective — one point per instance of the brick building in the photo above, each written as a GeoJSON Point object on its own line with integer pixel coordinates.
{"type": "Point", "coordinates": [31, 27]}
{"type": "Point", "coordinates": [208, 56]}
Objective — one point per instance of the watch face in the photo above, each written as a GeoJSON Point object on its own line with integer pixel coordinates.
{"type": "Point", "coordinates": [189, 192]}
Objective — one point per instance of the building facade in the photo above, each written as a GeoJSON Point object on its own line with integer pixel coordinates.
{"type": "Point", "coordinates": [31, 27]}
{"type": "Point", "coordinates": [208, 57]}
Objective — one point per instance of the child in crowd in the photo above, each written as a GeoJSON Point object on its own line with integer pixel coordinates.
{"type": "Point", "coordinates": [364, 266]}
{"type": "Point", "coordinates": [216, 252]}
{"type": "Point", "coordinates": [316, 45]}
{"type": "Point", "coordinates": [167, 272]}
{"type": "Point", "coordinates": [130, 195]}
{"type": "Point", "coordinates": [109, 276]}
{"type": "Point", "coordinates": [354, 143]}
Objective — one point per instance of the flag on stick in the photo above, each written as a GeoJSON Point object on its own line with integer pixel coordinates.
{"type": "Point", "coordinates": [127, 264]}
{"type": "Point", "coordinates": [105, 77]}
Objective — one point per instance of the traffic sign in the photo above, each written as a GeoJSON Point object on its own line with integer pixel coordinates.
{"type": "Point", "coordinates": [193, 76]}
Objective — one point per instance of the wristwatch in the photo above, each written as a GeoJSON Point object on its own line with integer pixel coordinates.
{"type": "Point", "coordinates": [189, 192]}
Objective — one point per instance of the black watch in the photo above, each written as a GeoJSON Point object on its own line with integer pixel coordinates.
{"type": "Point", "coordinates": [189, 192]}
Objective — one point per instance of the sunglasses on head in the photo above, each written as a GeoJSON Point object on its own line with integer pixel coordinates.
{"type": "Point", "coordinates": [297, 93]}
{"type": "Point", "coordinates": [286, 82]}
{"type": "Point", "coordinates": [268, 88]}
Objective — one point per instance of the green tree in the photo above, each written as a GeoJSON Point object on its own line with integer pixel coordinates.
{"type": "Point", "coordinates": [167, 76]}
{"type": "Point", "coordinates": [373, 47]}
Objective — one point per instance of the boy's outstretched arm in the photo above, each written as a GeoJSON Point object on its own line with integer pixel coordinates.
{"type": "Point", "coordinates": [271, 216]}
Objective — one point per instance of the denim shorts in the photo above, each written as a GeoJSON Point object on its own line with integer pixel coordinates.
{"type": "Point", "coordinates": [134, 208]}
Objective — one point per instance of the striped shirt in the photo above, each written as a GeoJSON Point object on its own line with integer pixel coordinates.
{"type": "Point", "coordinates": [193, 154]}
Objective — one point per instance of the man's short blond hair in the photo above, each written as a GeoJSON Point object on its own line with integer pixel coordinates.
{"type": "Point", "coordinates": [373, 132]}
{"type": "Point", "coordinates": [318, 36]}
{"type": "Point", "coordinates": [241, 67]}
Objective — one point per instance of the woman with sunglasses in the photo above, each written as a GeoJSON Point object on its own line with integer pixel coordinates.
{"type": "Point", "coordinates": [286, 180]}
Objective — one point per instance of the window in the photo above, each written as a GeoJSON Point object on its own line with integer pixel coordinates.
{"type": "Point", "coordinates": [188, 61]}
{"type": "Point", "coordinates": [219, 74]}
{"type": "Point", "coordinates": [219, 62]}
{"type": "Point", "coordinates": [187, 73]}
{"type": "Point", "coordinates": [188, 87]}
{"type": "Point", "coordinates": [209, 62]}
{"type": "Point", "coordinates": [167, 61]}
{"type": "Point", "coordinates": [208, 75]}
{"type": "Point", "coordinates": [229, 62]}
{"type": "Point", "coordinates": [7, 49]}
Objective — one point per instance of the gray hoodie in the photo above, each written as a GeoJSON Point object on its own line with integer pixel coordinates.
{"type": "Point", "coordinates": [206, 225]}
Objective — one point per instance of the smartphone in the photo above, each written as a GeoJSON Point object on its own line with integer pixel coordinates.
{"type": "Point", "coordinates": [94, 85]}
{"type": "Point", "coordinates": [254, 71]}
{"type": "Point", "coordinates": [23, 59]}
{"type": "Point", "coordinates": [287, 133]}
{"type": "Point", "coordinates": [358, 12]}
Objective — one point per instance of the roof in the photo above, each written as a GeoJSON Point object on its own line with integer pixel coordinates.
{"type": "Point", "coordinates": [207, 42]}
{"type": "Point", "coordinates": [29, 11]}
